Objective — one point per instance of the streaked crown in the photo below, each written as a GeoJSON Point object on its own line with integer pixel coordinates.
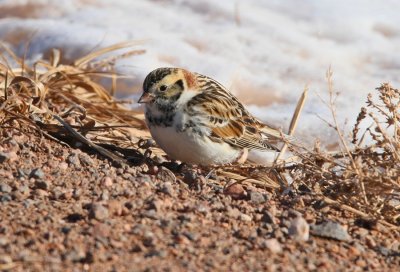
{"type": "Point", "coordinates": [157, 75]}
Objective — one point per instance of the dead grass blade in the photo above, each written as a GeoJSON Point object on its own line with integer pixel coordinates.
{"type": "Point", "coordinates": [294, 121]}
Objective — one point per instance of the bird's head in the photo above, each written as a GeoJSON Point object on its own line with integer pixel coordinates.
{"type": "Point", "coordinates": [166, 85]}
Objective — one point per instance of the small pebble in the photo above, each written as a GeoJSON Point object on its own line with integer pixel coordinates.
{"type": "Point", "coordinates": [85, 159]}
{"type": "Point", "coordinates": [74, 160]}
{"type": "Point", "coordinates": [273, 245]}
{"type": "Point", "coordinates": [236, 191]}
{"type": "Point", "coordinates": [5, 259]}
{"type": "Point", "coordinates": [330, 229]}
{"type": "Point", "coordinates": [5, 188]}
{"type": "Point", "coordinates": [8, 156]}
{"type": "Point", "coordinates": [98, 211]}
{"type": "Point", "coordinates": [5, 198]}
{"type": "Point", "coordinates": [101, 230]}
{"type": "Point", "coordinates": [37, 173]}
{"type": "Point", "coordinates": [107, 181]}
{"type": "Point", "coordinates": [256, 197]}
{"type": "Point", "coordinates": [234, 213]}
{"type": "Point", "coordinates": [75, 255]}
{"type": "Point", "coordinates": [41, 193]}
{"type": "Point", "coordinates": [105, 195]}
{"type": "Point", "coordinates": [63, 166]}
{"type": "Point", "coordinates": [245, 217]}
{"type": "Point", "coordinates": [115, 207]}
{"type": "Point", "coordinates": [42, 184]}
{"type": "Point", "coordinates": [268, 217]}
{"type": "Point", "coordinates": [3, 241]}
{"type": "Point", "coordinates": [166, 175]}
{"type": "Point", "coordinates": [299, 229]}
{"type": "Point", "coordinates": [167, 188]}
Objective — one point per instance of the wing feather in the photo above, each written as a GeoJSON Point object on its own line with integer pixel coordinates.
{"type": "Point", "coordinates": [229, 121]}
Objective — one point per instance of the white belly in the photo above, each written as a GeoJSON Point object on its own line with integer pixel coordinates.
{"type": "Point", "coordinates": [192, 148]}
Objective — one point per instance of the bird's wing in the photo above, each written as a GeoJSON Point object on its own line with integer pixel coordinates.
{"type": "Point", "coordinates": [229, 121]}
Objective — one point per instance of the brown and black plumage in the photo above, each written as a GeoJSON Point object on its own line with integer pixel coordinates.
{"type": "Point", "coordinates": [196, 120]}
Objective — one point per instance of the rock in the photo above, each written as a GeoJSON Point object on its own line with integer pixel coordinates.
{"type": "Point", "coordinates": [148, 239]}
{"type": "Point", "coordinates": [330, 229]}
{"type": "Point", "coordinates": [67, 195]}
{"type": "Point", "coordinates": [105, 195]}
{"type": "Point", "coordinates": [42, 184]}
{"type": "Point", "coordinates": [26, 255]}
{"type": "Point", "coordinates": [245, 217]}
{"type": "Point", "coordinates": [77, 193]}
{"type": "Point", "coordinates": [257, 197]}
{"type": "Point", "coordinates": [395, 246]}
{"type": "Point", "coordinates": [98, 211]}
{"type": "Point", "coordinates": [152, 214]}
{"type": "Point", "coordinates": [8, 156]}
{"type": "Point", "coordinates": [233, 213]}
{"type": "Point", "coordinates": [37, 173]}
{"type": "Point", "coordinates": [85, 159]}
{"type": "Point", "coordinates": [75, 255]}
{"type": "Point", "coordinates": [107, 181]}
{"type": "Point", "coordinates": [384, 250]}
{"type": "Point", "coordinates": [273, 245]}
{"type": "Point", "coordinates": [144, 180]}
{"type": "Point", "coordinates": [74, 160]}
{"type": "Point", "coordinates": [115, 207]}
{"type": "Point", "coordinates": [361, 232]}
{"type": "Point", "coordinates": [190, 177]}
{"type": "Point", "coordinates": [299, 229]}
{"type": "Point", "coordinates": [63, 166]}
{"type": "Point", "coordinates": [394, 203]}
{"type": "Point", "coordinates": [166, 175]}
{"type": "Point", "coordinates": [268, 218]}
{"type": "Point", "coordinates": [101, 230]}
{"type": "Point", "coordinates": [41, 193]}
{"type": "Point", "coordinates": [236, 191]}
{"type": "Point", "coordinates": [203, 209]}
{"type": "Point", "coordinates": [5, 198]}
{"type": "Point", "coordinates": [24, 189]}
{"type": "Point", "coordinates": [3, 241]}
{"type": "Point", "coordinates": [73, 218]}
{"type": "Point", "coordinates": [22, 173]}
{"type": "Point", "coordinates": [5, 259]}
{"type": "Point", "coordinates": [167, 188]}
{"type": "Point", "coordinates": [5, 188]}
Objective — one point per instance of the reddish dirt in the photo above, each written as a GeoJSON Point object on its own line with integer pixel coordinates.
{"type": "Point", "coordinates": [63, 209]}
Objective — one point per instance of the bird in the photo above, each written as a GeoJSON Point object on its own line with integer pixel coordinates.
{"type": "Point", "coordinates": [196, 120]}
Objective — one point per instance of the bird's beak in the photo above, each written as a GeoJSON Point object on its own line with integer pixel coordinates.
{"type": "Point", "coordinates": [146, 98]}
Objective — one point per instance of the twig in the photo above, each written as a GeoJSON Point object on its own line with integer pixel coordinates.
{"type": "Point", "coordinates": [386, 137]}
{"type": "Point", "coordinates": [333, 112]}
{"type": "Point", "coordinates": [355, 211]}
{"type": "Point", "coordinates": [84, 140]}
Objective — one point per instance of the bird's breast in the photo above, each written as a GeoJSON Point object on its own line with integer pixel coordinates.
{"type": "Point", "coordinates": [191, 144]}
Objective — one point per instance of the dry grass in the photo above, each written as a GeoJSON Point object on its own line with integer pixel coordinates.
{"type": "Point", "coordinates": [55, 99]}
{"type": "Point", "coordinates": [363, 179]}
{"type": "Point", "coordinates": [67, 104]}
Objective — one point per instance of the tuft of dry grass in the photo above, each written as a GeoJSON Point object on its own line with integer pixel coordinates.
{"type": "Point", "coordinates": [361, 178]}
{"type": "Point", "coordinates": [54, 99]}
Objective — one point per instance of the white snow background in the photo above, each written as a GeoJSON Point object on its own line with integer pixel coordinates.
{"type": "Point", "coordinates": [265, 52]}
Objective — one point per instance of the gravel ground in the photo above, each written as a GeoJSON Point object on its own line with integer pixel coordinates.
{"type": "Point", "coordinates": [66, 210]}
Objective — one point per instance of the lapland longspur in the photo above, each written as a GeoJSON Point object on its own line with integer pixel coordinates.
{"type": "Point", "coordinates": [194, 119]}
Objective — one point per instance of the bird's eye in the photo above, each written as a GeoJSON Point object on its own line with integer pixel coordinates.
{"type": "Point", "coordinates": [163, 88]}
